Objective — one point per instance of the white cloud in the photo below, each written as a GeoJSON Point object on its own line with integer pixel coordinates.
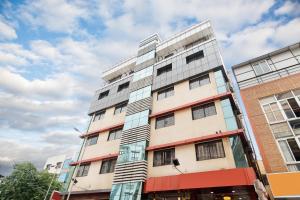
{"type": "Point", "coordinates": [54, 15]}
{"type": "Point", "coordinates": [7, 32]}
{"type": "Point", "coordinates": [289, 7]}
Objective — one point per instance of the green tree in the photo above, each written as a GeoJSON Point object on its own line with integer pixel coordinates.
{"type": "Point", "coordinates": [27, 183]}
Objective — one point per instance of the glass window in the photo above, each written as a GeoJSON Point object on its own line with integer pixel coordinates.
{"type": "Point", "coordinates": [137, 119]}
{"type": "Point", "coordinates": [132, 152]}
{"type": "Point", "coordinates": [165, 93]}
{"type": "Point", "coordinates": [272, 112]}
{"type": "Point", "coordinates": [210, 150]}
{"type": "Point", "coordinates": [284, 95]}
{"type": "Point", "coordinates": [290, 149]}
{"type": "Point", "coordinates": [48, 166]}
{"type": "Point", "coordinates": [142, 73]}
{"type": "Point", "coordinates": [120, 108]}
{"type": "Point", "coordinates": [165, 121]}
{"type": "Point", "coordinates": [261, 67]}
{"type": "Point", "coordinates": [294, 148]}
{"type": "Point", "coordinates": [163, 157]}
{"type": "Point", "coordinates": [92, 140]}
{"type": "Point", "coordinates": [99, 115]}
{"type": "Point", "coordinates": [114, 134]}
{"type": "Point", "coordinates": [103, 95]}
{"type": "Point", "coordinates": [287, 110]}
{"type": "Point", "coordinates": [202, 111]}
{"type": "Point", "coordinates": [195, 56]}
{"type": "Point", "coordinates": [140, 94]}
{"type": "Point", "coordinates": [108, 166]}
{"type": "Point", "coordinates": [295, 125]}
{"type": "Point", "coordinates": [164, 70]}
{"type": "Point", "coordinates": [145, 57]}
{"type": "Point", "coordinates": [83, 170]}
{"type": "Point", "coordinates": [58, 165]}
{"type": "Point", "coordinates": [295, 107]}
{"type": "Point", "coordinates": [199, 81]}
{"type": "Point", "coordinates": [123, 86]}
{"type": "Point", "coordinates": [281, 130]}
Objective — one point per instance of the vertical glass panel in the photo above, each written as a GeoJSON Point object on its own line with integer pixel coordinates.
{"type": "Point", "coordinates": [230, 120]}
{"type": "Point", "coordinates": [276, 111]}
{"type": "Point", "coordinates": [137, 119]}
{"type": "Point", "coordinates": [281, 130]}
{"type": "Point", "coordinates": [132, 152]}
{"type": "Point", "coordinates": [126, 191]}
{"type": "Point", "coordinates": [294, 148]}
{"type": "Point", "coordinates": [142, 73]}
{"type": "Point", "coordinates": [287, 110]}
{"type": "Point", "coordinates": [220, 82]}
{"type": "Point", "coordinates": [145, 57]}
{"type": "Point", "coordinates": [238, 152]}
{"type": "Point", "coordinates": [269, 113]}
{"type": "Point", "coordinates": [286, 151]}
{"type": "Point", "coordinates": [295, 125]}
{"type": "Point", "coordinates": [140, 94]}
{"type": "Point", "coordinates": [295, 107]}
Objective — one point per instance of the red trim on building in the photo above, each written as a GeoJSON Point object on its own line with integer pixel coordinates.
{"type": "Point", "coordinates": [113, 155]}
{"type": "Point", "coordinates": [197, 139]}
{"type": "Point", "coordinates": [209, 179]}
{"type": "Point", "coordinates": [202, 101]}
{"type": "Point", "coordinates": [102, 130]}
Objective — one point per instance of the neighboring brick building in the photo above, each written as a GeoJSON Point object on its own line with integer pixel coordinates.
{"type": "Point", "coordinates": [270, 90]}
{"type": "Point", "coordinates": [173, 100]}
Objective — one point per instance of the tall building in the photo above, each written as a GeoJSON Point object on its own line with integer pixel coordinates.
{"type": "Point", "coordinates": [270, 89]}
{"type": "Point", "coordinates": [165, 126]}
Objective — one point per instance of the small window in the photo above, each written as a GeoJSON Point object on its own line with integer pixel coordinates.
{"type": "Point", "coordinates": [123, 86]}
{"type": "Point", "coordinates": [108, 166]}
{"type": "Point", "coordinates": [210, 150]}
{"type": "Point", "coordinates": [164, 69]}
{"type": "Point", "coordinates": [202, 111]}
{"type": "Point", "coordinates": [163, 157]}
{"type": "Point", "coordinates": [58, 165]}
{"type": "Point", "coordinates": [165, 93]}
{"type": "Point", "coordinates": [195, 56]}
{"type": "Point", "coordinates": [261, 67]}
{"type": "Point", "coordinates": [83, 170]}
{"type": "Point", "coordinates": [120, 108]}
{"type": "Point", "coordinates": [48, 166]}
{"type": "Point", "coordinates": [103, 94]}
{"type": "Point", "coordinates": [165, 121]}
{"type": "Point", "coordinates": [114, 134]}
{"type": "Point", "coordinates": [99, 115]}
{"type": "Point", "coordinates": [92, 140]}
{"type": "Point", "coordinates": [199, 81]}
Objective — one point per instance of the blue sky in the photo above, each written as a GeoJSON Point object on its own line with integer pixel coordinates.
{"type": "Point", "coordinates": [52, 53]}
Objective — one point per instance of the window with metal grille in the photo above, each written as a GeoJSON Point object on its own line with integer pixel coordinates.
{"type": "Point", "coordinates": [210, 150]}
{"type": "Point", "coordinates": [83, 170]}
{"type": "Point", "coordinates": [163, 157]}
{"type": "Point", "coordinates": [164, 121]}
{"type": "Point", "coordinates": [202, 111]}
{"type": "Point", "coordinates": [108, 166]}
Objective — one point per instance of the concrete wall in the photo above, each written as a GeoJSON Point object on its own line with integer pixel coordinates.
{"type": "Point", "coordinates": [94, 180]}
{"type": "Point", "coordinates": [186, 155]}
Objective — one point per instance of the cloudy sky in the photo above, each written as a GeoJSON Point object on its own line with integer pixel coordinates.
{"type": "Point", "coordinates": [52, 53]}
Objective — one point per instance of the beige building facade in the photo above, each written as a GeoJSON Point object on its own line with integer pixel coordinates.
{"type": "Point", "coordinates": [165, 126]}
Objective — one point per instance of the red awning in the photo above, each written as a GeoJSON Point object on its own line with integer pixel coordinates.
{"type": "Point", "coordinates": [209, 179]}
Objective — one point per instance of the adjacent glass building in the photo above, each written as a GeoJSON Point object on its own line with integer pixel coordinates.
{"type": "Point", "coordinates": [171, 101]}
